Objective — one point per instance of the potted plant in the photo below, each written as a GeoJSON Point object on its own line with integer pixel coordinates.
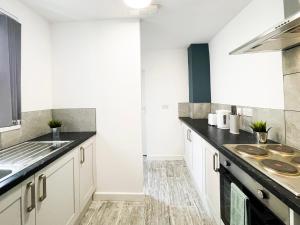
{"type": "Point", "coordinates": [55, 126]}
{"type": "Point", "coordinates": [260, 130]}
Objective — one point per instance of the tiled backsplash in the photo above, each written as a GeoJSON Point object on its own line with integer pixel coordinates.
{"type": "Point", "coordinates": [35, 124]}
{"type": "Point", "coordinates": [194, 110]}
{"type": "Point", "coordinates": [274, 117]}
{"type": "Point", "coordinates": [291, 72]}
{"type": "Point", "coordinates": [76, 119]}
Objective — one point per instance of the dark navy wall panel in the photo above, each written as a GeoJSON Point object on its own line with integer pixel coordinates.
{"type": "Point", "coordinates": [199, 73]}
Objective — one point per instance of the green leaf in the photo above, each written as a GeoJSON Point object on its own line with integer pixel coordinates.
{"type": "Point", "coordinates": [54, 123]}
{"type": "Point", "coordinates": [259, 126]}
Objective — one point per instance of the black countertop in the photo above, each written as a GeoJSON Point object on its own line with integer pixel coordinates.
{"type": "Point", "coordinates": [217, 138]}
{"type": "Point", "coordinates": [76, 137]}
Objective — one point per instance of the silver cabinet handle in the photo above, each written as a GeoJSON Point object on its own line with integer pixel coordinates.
{"type": "Point", "coordinates": [215, 167]}
{"type": "Point", "coordinates": [30, 186]}
{"type": "Point", "coordinates": [82, 152]}
{"type": "Point", "coordinates": [188, 135]}
{"type": "Point", "coordinates": [44, 179]}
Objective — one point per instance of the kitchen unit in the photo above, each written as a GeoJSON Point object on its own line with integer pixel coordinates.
{"type": "Point", "coordinates": [202, 160]}
{"type": "Point", "coordinates": [220, 163]}
{"type": "Point", "coordinates": [61, 182]}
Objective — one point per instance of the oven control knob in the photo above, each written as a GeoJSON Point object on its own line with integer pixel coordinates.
{"type": "Point", "coordinates": [227, 163]}
{"type": "Point", "coordinates": [261, 194]}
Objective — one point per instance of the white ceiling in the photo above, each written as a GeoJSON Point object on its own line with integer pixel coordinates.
{"type": "Point", "coordinates": [181, 22]}
{"type": "Point", "coordinates": [177, 23]}
{"type": "Point", "coordinates": [76, 10]}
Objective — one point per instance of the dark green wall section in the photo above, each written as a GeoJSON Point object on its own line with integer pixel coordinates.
{"type": "Point", "coordinates": [199, 73]}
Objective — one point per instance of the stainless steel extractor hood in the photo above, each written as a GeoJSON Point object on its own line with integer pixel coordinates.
{"type": "Point", "coordinates": [283, 36]}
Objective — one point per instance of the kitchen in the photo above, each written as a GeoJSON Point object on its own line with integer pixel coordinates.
{"type": "Point", "coordinates": [125, 112]}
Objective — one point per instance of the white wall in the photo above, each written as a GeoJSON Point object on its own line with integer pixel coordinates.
{"type": "Point", "coordinates": [165, 78]}
{"type": "Point", "coordinates": [255, 79]}
{"type": "Point", "coordinates": [36, 57]}
{"type": "Point", "coordinates": [97, 64]}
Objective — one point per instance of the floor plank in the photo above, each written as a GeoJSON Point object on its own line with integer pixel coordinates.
{"type": "Point", "coordinates": [171, 199]}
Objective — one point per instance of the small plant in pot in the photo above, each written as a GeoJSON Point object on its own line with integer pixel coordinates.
{"type": "Point", "coordinates": [55, 126]}
{"type": "Point", "coordinates": [260, 130]}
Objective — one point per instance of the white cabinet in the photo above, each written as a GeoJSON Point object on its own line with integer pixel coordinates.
{"type": "Point", "coordinates": [203, 162]}
{"type": "Point", "coordinates": [194, 157]}
{"type": "Point", "coordinates": [57, 192]}
{"type": "Point", "coordinates": [188, 148]}
{"type": "Point", "coordinates": [212, 181]}
{"type": "Point", "coordinates": [10, 207]}
{"type": "Point", "coordinates": [87, 171]}
{"type": "Point", "coordinates": [198, 171]}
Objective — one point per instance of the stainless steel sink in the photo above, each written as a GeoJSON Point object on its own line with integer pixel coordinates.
{"type": "Point", "coordinates": [18, 157]}
{"type": "Point", "coordinates": [4, 173]}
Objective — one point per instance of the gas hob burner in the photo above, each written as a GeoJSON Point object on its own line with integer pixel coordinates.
{"type": "Point", "coordinates": [281, 149]}
{"type": "Point", "coordinates": [279, 167]}
{"type": "Point", "coordinates": [252, 151]}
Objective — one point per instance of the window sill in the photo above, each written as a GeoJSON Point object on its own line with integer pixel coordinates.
{"type": "Point", "coordinates": [6, 129]}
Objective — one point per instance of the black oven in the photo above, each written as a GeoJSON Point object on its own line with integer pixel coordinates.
{"type": "Point", "coordinates": [263, 207]}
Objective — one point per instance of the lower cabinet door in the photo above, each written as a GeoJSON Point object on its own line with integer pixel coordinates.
{"type": "Point", "coordinates": [188, 147]}
{"type": "Point", "coordinates": [198, 163]}
{"type": "Point", "coordinates": [86, 168]}
{"type": "Point", "coordinates": [186, 143]}
{"type": "Point", "coordinates": [57, 201]}
{"type": "Point", "coordinates": [10, 208]}
{"type": "Point", "coordinates": [212, 182]}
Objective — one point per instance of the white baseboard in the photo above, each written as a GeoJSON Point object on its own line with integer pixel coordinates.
{"type": "Point", "coordinates": [165, 157]}
{"type": "Point", "coordinates": [119, 196]}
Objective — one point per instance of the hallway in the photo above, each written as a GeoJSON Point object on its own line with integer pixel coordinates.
{"type": "Point", "coordinates": [171, 199]}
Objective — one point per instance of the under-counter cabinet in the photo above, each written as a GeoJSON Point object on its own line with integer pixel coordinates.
{"type": "Point", "coordinates": [198, 171]}
{"type": "Point", "coordinates": [188, 150]}
{"type": "Point", "coordinates": [203, 163]}
{"type": "Point", "coordinates": [212, 181]}
{"type": "Point", "coordinates": [56, 194]}
{"type": "Point", "coordinates": [87, 169]}
{"type": "Point", "coordinates": [57, 188]}
{"type": "Point", "coordinates": [10, 207]}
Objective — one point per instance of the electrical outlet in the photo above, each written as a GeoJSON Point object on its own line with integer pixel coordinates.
{"type": "Point", "coordinates": [248, 112]}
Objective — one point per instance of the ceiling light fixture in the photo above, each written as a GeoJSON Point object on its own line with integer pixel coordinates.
{"type": "Point", "coordinates": [137, 4]}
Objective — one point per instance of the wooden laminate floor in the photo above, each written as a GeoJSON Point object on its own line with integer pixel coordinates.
{"type": "Point", "coordinates": [171, 199]}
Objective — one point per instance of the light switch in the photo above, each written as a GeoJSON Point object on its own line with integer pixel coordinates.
{"type": "Point", "coordinates": [165, 107]}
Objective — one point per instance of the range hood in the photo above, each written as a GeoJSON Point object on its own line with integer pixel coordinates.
{"type": "Point", "coordinates": [283, 36]}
